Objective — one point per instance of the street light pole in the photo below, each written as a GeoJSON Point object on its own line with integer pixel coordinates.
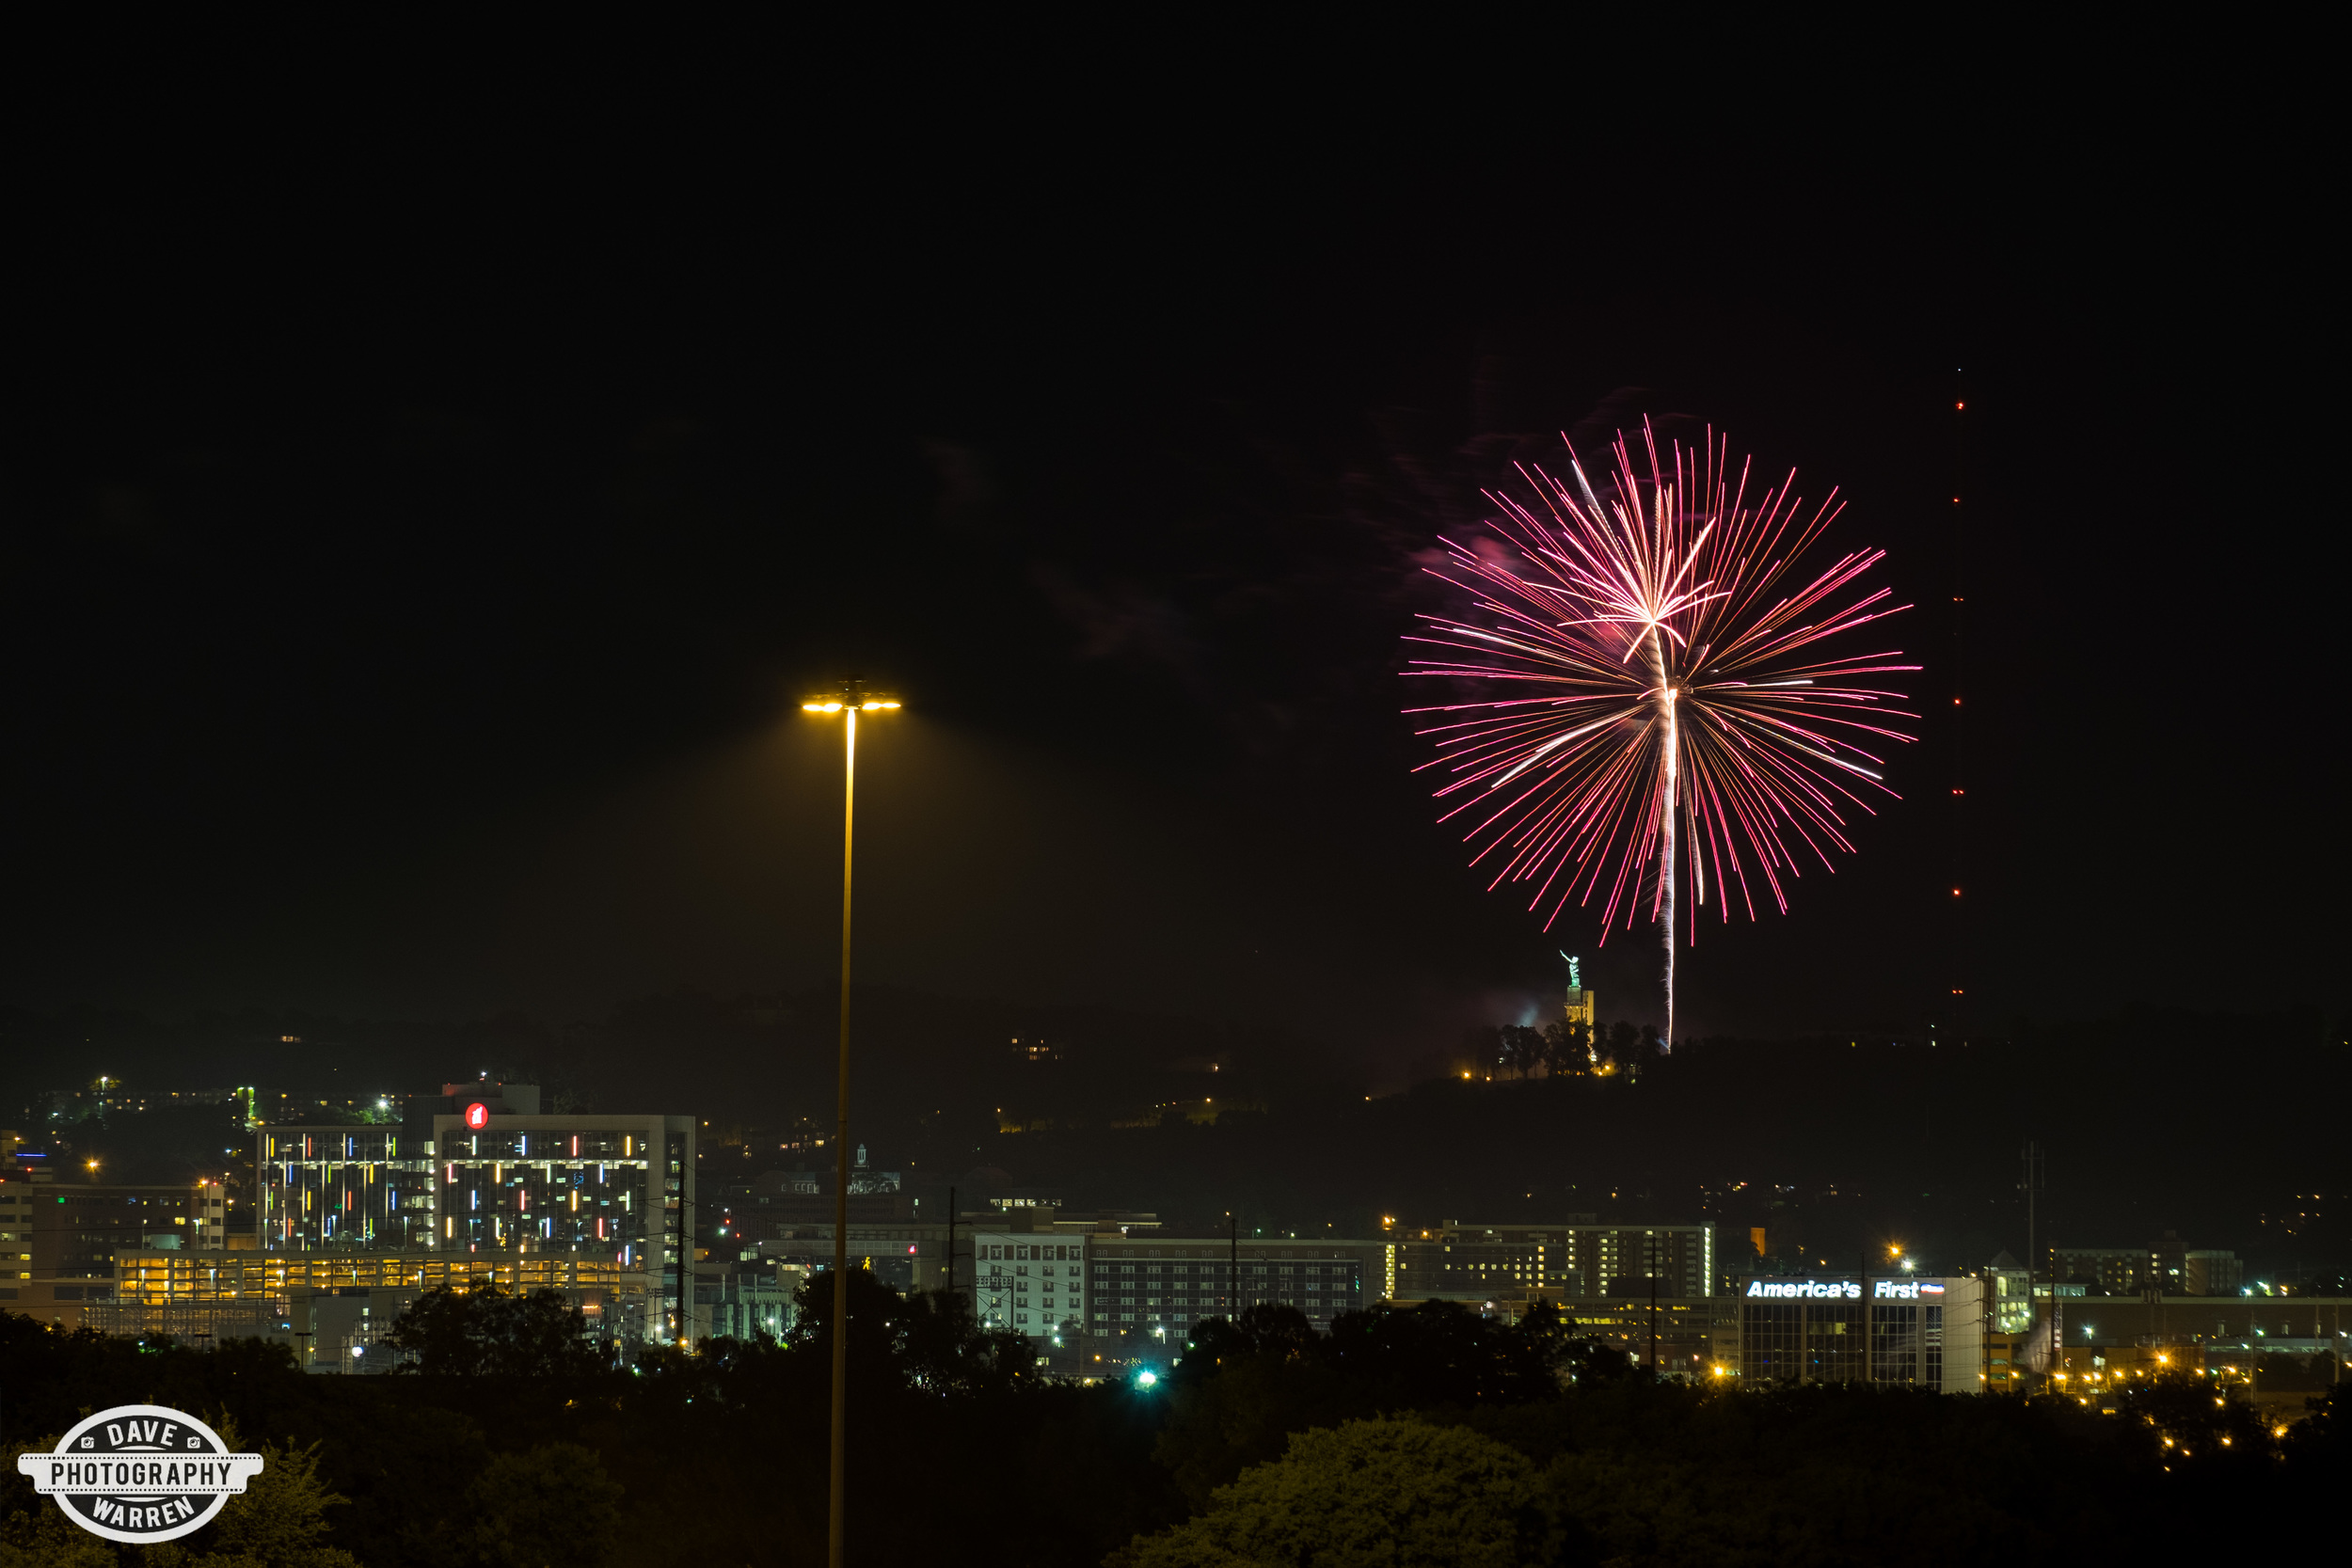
{"type": "Point", "coordinates": [836, 1510]}
{"type": "Point", "coordinates": [852, 700]}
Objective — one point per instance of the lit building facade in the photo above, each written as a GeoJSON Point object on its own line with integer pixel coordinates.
{"type": "Point", "coordinates": [1049, 1277]}
{"type": "Point", "coordinates": [344, 1189]}
{"type": "Point", "coordinates": [477, 1178]}
{"type": "Point", "coordinates": [1900, 1330]}
{"type": "Point", "coordinates": [335, 1305]}
{"type": "Point", "coordinates": [1507, 1267]}
{"type": "Point", "coordinates": [905, 1257]}
{"type": "Point", "coordinates": [744, 1301]}
{"type": "Point", "coordinates": [1151, 1290]}
{"type": "Point", "coordinates": [58, 1239]}
{"type": "Point", "coordinates": [2168, 1267]}
{"type": "Point", "coordinates": [1030, 1282]}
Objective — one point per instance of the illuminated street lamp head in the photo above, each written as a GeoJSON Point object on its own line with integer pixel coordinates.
{"type": "Point", "coordinates": [853, 697]}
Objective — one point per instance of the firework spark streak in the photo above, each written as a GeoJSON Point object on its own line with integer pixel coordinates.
{"type": "Point", "coordinates": [1655, 707]}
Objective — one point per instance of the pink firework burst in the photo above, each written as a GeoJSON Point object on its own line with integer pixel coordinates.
{"type": "Point", "coordinates": [1660, 709]}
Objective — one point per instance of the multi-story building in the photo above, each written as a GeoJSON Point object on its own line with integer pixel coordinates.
{"type": "Point", "coordinates": [334, 1305]}
{"type": "Point", "coordinates": [785, 1217]}
{"type": "Point", "coordinates": [482, 1172]}
{"type": "Point", "coordinates": [58, 1239]}
{"type": "Point", "coordinates": [1641, 1290]}
{"type": "Point", "coordinates": [2169, 1268]}
{"type": "Point", "coordinates": [1147, 1290]}
{"type": "Point", "coordinates": [743, 1301]}
{"type": "Point", "coordinates": [1906, 1330]}
{"type": "Point", "coordinates": [1507, 1267]}
{"type": "Point", "coordinates": [344, 1189]}
{"type": "Point", "coordinates": [1115, 1279]}
{"type": "Point", "coordinates": [1681, 1336]}
{"type": "Point", "coordinates": [1030, 1281]}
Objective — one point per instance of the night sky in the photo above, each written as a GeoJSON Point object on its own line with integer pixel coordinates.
{"type": "Point", "coordinates": [417, 545]}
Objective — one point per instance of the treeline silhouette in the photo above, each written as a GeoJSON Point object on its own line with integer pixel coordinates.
{"type": "Point", "coordinates": [503, 1441]}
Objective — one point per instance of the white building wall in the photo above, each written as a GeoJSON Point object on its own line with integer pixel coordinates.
{"type": "Point", "coordinates": [1028, 1282]}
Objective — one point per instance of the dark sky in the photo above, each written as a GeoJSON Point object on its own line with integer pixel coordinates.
{"type": "Point", "coordinates": [417, 540]}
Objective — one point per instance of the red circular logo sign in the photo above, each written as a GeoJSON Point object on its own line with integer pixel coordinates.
{"type": "Point", "coordinates": [477, 1116]}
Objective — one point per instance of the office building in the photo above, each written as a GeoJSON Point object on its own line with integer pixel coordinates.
{"type": "Point", "coordinates": [58, 1239]}
{"type": "Point", "coordinates": [1905, 1330]}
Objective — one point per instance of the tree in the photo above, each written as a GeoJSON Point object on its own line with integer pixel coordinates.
{"type": "Point", "coordinates": [1566, 1048]}
{"type": "Point", "coordinates": [552, 1503]}
{"type": "Point", "coordinates": [494, 1332]}
{"type": "Point", "coordinates": [1440, 1352]}
{"type": "Point", "coordinates": [1394, 1492]}
{"type": "Point", "coordinates": [1571, 1358]}
{"type": "Point", "coordinates": [1482, 1047]}
{"type": "Point", "coordinates": [1523, 1048]}
{"type": "Point", "coordinates": [1244, 1385]}
{"type": "Point", "coordinates": [34, 1531]}
{"type": "Point", "coordinates": [278, 1522]}
{"type": "Point", "coordinates": [928, 1341]}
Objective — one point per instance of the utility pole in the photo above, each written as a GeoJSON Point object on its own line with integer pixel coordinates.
{"type": "Point", "coordinates": [1957, 932]}
{"type": "Point", "coordinates": [2032, 1159]}
{"type": "Point", "coordinates": [1232, 1264]}
{"type": "Point", "coordinates": [951, 1243]}
{"type": "Point", "coordinates": [1653, 1326]}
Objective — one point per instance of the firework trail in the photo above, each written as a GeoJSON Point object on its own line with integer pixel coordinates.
{"type": "Point", "coordinates": [1655, 702]}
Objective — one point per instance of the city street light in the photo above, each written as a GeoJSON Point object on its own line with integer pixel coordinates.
{"type": "Point", "coordinates": [852, 700]}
